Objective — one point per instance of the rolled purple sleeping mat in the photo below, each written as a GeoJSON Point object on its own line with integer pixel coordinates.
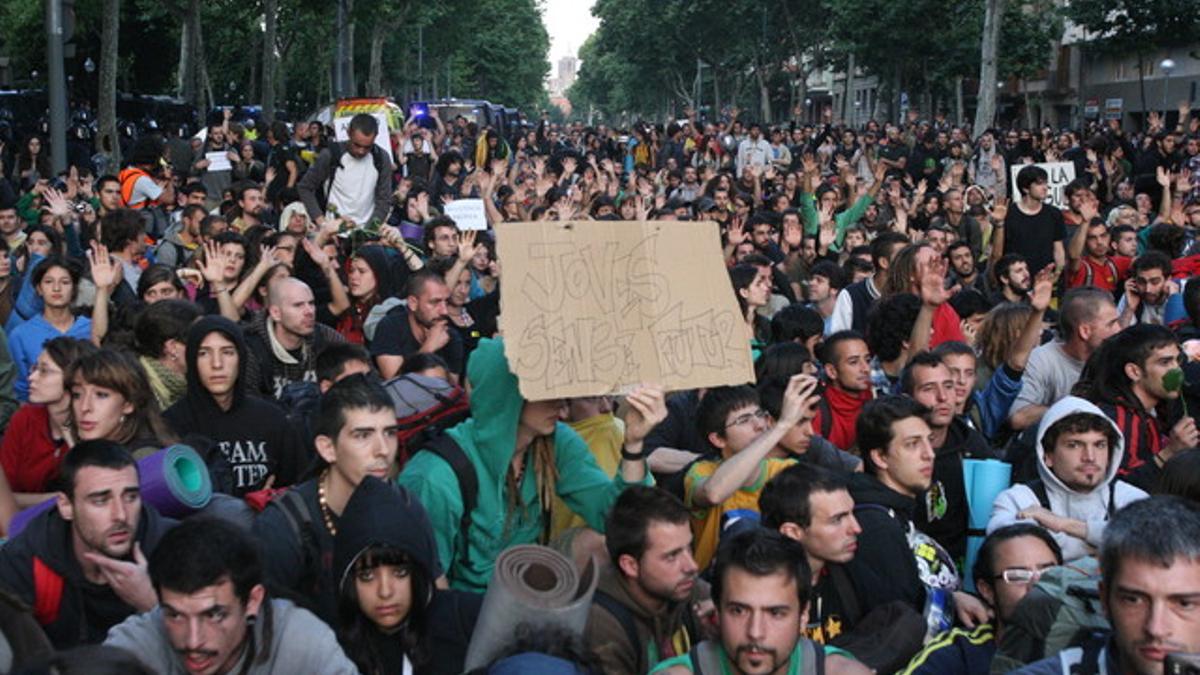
{"type": "Point", "coordinates": [174, 481]}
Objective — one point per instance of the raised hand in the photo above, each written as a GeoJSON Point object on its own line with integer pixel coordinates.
{"type": "Point", "coordinates": [1043, 288]}
{"type": "Point", "coordinates": [466, 245]}
{"type": "Point", "coordinates": [57, 203]}
{"type": "Point", "coordinates": [736, 233]}
{"type": "Point", "coordinates": [267, 257]}
{"type": "Point", "coordinates": [1000, 209]}
{"type": "Point", "coordinates": [1163, 176]}
{"type": "Point", "coordinates": [105, 274]}
{"type": "Point", "coordinates": [797, 398]}
{"type": "Point", "coordinates": [647, 408]}
{"type": "Point", "coordinates": [318, 255]}
{"type": "Point", "coordinates": [213, 267]}
{"type": "Point", "coordinates": [932, 279]}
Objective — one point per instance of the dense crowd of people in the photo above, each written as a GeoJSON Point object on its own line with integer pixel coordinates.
{"type": "Point", "coordinates": [915, 303]}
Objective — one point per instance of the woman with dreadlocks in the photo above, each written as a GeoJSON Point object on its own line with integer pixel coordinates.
{"type": "Point", "coordinates": [521, 456]}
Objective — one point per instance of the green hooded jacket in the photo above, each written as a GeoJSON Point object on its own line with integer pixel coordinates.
{"type": "Point", "coordinates": [489, 440]}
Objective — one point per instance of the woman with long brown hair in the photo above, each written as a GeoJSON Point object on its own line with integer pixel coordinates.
{"type": "Point", "coordinates": [112, 399]}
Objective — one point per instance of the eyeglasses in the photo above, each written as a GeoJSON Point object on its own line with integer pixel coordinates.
{"type": "Point", "coordinates": [746, 418]}
{"type": "Point", "coordinates": [1021, 576]}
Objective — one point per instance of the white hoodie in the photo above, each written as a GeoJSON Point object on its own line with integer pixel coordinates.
{"type": "Point", "coordinates": [1090, 507]}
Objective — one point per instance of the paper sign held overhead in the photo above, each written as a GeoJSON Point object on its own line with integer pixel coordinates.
{"type": "Point", "coordinates": [467, 214]}
{"type": "Point", "coordinates": [1060, 173]}
{"type": "Point", "coordinates": [597, 307]}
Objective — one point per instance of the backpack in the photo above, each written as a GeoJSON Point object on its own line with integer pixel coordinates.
{"type": "Point", "coordinates": [624, 616]}
{"type": "Point", "coordinates": [295, 511]}
{"type": "Point", "coordinates": [1038, 487]}
{"type": "Point", "coordinates": [425, 407]}
{"type": "Point", "coordinates": [452, 453]}
{"type": "Point", "coordinates": [1061, 611]}
{"type": "Point", "coordinates": [706, 658]}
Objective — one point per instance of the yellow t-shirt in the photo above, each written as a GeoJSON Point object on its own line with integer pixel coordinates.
{"type": "Point", "coordinates": [706, 521]}
{"type": "Point", "coordinates": [604, 435]}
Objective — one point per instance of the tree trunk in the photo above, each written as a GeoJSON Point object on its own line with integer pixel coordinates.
{"type": "Point", "coordinates": [379, 33]}
{"type": "Point", "coordinates": [849, 92]}
{"type": "Point", "coordinates": [352, 83]}
{"type": "Point", "coordinates": [269, 64]}
{"type": "Point", "coordinates": [1142, 87]}
{"type": "Point", "coordinates": [185, 75]}
{"type": "Point", "coordinates": [716, 94]}
{"type": "Point", "coordinates": [107, 140]}
{"type": "Point", "coordinates": [985, 106]}
{"type": "Point", "coordinates": [205, 85]}
{"type": "Point", "coordinates": [764, 96]}
{"type": "Point", "coordinates": [959, 113]}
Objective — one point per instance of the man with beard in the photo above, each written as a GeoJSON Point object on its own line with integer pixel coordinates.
{"type": "Point", "coordinates": [448, 178]}
{"type": "Point", "coordinates": [423, 326]}
{"type": "Point", "coordinates": [1091, 262]}
{"type": "Point", "coordinates": [642, 612]}
{"type": "Point", "coordinates": [215, 181]}
{"type": "Point", "coordinates": [183, 240]}
{"type": "Point", "coordinates": [250, 206]}
{"type": "Point", "coordinates": [1146, 293]}
{"type": "Point", "coordinates": [762, 588]}
{"type": "Point", "coordinates": [214, 616]}
{"type": "Point", "coordinates": [283, 342]}
{"type": "Point", "coordinates": [1077, 491]}
{"type": "Point", "coordinates": [963, 266]}
{"type": "Point", "coordinates": [959, 221]}
{"type": "Point", "coordinates": [1013, 279]}
{"type": "Point", "coordinates": [81, 566]}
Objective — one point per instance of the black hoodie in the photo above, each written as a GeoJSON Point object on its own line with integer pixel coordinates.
{"type": "Point", "coordinates": [253, 435]}
{"type": "Point", "coordinates": [382, 514]}
{"type": "Point", "coordinates": [86, 610]}
{"type": "Point", "coordinates": [883, 548]}
{"type": "Point", "coordinates": [943, 511]}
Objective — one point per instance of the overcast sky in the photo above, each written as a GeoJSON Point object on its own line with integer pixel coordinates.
{"type": "Point", "coordinates": [569, 22]}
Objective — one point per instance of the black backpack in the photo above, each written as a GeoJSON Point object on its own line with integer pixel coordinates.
{"type": "Point", "coordinates": [452, 453]}
{"type": "Point", "coordinates": [624, 616]}
{"type": "Point", "coordinates": [1038, 487]}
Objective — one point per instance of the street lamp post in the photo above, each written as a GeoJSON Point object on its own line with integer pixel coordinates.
{"type": "Point", "coordinates": [1167, 66]}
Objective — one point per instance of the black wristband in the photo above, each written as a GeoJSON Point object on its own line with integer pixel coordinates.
{"type": "Point", "coordinates": [632, 456]}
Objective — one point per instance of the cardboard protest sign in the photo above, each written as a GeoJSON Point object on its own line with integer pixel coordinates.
{"type": "Point", "coordinates": [596, 307]}
{"type": "Point", "coordinates": [1060, 174]}
{"type": "Point", "coordinates": [467, 214]}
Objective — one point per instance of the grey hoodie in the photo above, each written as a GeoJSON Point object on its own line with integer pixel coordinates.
{"type": "Point", "coordinates": [300, 643]}
{"type": "Point", "coordinates": [1090, 507]}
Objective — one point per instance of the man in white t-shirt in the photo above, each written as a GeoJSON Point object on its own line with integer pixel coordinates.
{"type": "Point", "coordinates": [352, 179]}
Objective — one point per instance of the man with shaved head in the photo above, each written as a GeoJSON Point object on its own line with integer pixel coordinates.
{"type": "Point", "coordinates": [283, 341]}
